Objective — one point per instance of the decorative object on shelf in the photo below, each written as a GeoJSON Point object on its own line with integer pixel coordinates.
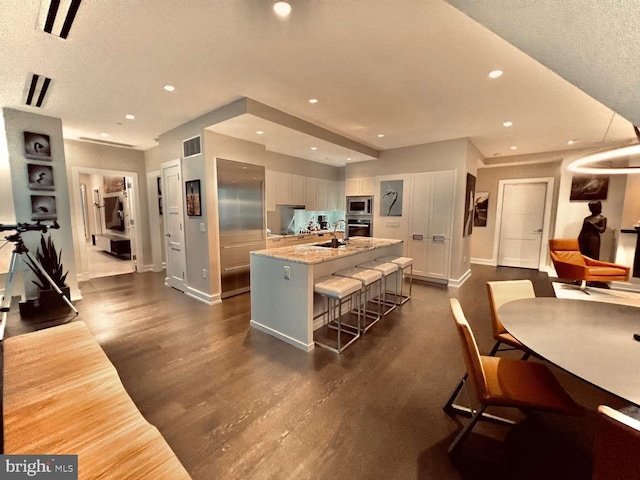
{"type": "Point", "coordinates": [480, 209]}
{"type": "Point", "coordinates": [468, 205]}
{"type": "Point", "coordinates": [113, 184]}
{"type": "Point", "coordinates": [40, 177]}
{"type": "Point", "coordinates": [37, 146]}
{"type": "Point", "coordinates": [589, 187]}
{"type": "Point", "coordinates": [43, 207]}
{"type": "Point", "coordinates": [391, 198]}
{"type": "Point", "coordinates": [193, 198]}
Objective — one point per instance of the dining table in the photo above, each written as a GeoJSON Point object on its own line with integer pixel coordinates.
{"type": "Point", "coordinates": [592, 340]}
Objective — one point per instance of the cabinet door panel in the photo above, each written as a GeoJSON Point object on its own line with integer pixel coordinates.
{"type": "Point", "coordinates": [283, 188]}
{"type": "Point", "coordinates": [437, 260]}
{"type": "Point", "coordinates": [311, 193]}
{"type": "Point", "coordinates": [441, 203]}
{"type": "Point", "coordinates": [323, 194]}
{"type": "Point", "coordinates": [418, 251]}
{"type": "Point", "coordinates": [420, 203]}
{"type": "Point", "coordinates": [297, 189]}
{"type": "Point", "coordinates": [270, 190]}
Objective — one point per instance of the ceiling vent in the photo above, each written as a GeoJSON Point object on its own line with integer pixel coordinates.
{"type": "Point", "coordinates": [36, 89]}
{"type": "Point", "coordinates": [191, 147]}
{"type": "Point", "coordinates": [57, 16]}
{"type": "Point", "coordinates": [105, 142]}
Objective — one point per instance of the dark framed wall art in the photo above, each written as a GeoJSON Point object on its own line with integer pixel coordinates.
{"type": "Point", "coordinates": [391, 198]}
{"type": "Point", "coordinates": [589, 187]}
{"type": "Point", "coordinates": [43, 207]}
{"type": "Point", "coordinates": [193, 198]}
{"type": "Point", "coordinates": [469, 205]}
{"type": "Point", "coordinates": [37, 146]}
{"type": "Point", "coordinates": [480, 209]}
{"type": "Point", "coordinates": [40, 177]}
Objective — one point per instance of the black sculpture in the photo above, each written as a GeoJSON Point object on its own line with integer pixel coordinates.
{"type": "Point", "coordinates": [592, 227]}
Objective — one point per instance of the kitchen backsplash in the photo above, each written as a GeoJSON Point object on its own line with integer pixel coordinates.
{"type": "Point", "coordinates": [309, 220]}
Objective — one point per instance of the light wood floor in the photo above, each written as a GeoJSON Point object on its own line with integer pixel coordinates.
{"type": "Point", "coordinates": [234, 402]}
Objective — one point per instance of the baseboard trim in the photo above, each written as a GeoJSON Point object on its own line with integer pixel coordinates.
{"type": "Point", "coordinates": [281, 336]}
{"type": "Point", "coordinates": [457, 282]}
{"type": "Point", "coordinates": [202, 297]}
{"type": "Point", "coordinates": [484, 261]}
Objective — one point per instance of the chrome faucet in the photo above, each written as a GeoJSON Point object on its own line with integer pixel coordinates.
{"type": "Point", "coordinates": [335, 225]}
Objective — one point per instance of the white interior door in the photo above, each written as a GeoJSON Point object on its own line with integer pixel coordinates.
{"type": "Point", "coordinates": [522, 225]}
{"type": "Point", "coordinates": [174, 231]}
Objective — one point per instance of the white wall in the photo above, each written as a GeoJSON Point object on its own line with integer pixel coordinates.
{"type": "Point", "coordinates": [17, 122]}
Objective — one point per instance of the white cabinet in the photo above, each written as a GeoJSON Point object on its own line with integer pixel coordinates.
{"type": "Point", "coordinates": [323, 194]}
{"type": "Point", "coordinates": [359, 186]}
{"type": "Point", "coordinates": [289, 189]}
{"type": "Point", "coordinates": [270, 190]}
{"type": "Point", "coordinates": [311, 193]}
{"type": "Point", "coordinates": [297, 189]}
{"type": "Point", "coordinates": [431, 217]}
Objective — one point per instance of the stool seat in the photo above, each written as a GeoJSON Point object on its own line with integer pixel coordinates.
{"type": "Point", "coordinates": [386, 268]}
{"type": "Point", "coordinates": [337, 287]}
{"type": "Point", "coordinates": [402, 262]}
{"type": "Point", "coordinates": [365, 275]}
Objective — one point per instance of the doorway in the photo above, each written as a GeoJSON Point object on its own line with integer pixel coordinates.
{"type": "Point", "coordinates": [105, 206]}
{"type": "Point", "coordinates": [523, 218]}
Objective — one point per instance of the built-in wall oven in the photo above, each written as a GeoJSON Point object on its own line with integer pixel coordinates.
{"type": "Point", "coordinates": [359, 226]}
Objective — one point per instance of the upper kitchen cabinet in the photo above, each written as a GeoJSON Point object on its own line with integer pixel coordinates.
{"type": "Point", "coordinates": [289, 189]}
{"type": "Point", "coordinates": [359, 186]}
{"type": "Point", "coordinates": [270, 190]}
{"type": "Point", "coordinates": [311, 193]}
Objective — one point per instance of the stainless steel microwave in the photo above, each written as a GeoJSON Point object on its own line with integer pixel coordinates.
{"type": "Point", "coordinates": [359, 205]}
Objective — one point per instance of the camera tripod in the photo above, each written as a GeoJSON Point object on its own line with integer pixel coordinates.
{"type": "Point", "coordinates": [21, 249]}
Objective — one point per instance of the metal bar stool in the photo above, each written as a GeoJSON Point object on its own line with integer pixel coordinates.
{"type": "Point", "coordinates": [403, 263]}
{"type": "Point", "coordinates": [368, 279]}
{"type": "Point", "coordinates": [386, 269]}
{"type": "Point", "coordinates": [338, 290]}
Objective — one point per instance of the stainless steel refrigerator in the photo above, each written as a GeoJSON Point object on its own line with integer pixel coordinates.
{"type": "Point", "coordinates": [241, 220]}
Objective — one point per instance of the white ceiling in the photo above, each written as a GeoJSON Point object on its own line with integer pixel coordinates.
{"type": "Point", "coordinates": [413, 70]}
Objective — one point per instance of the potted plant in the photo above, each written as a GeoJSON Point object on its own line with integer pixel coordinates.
{"type": "Point", "coordinates": [51, 262]}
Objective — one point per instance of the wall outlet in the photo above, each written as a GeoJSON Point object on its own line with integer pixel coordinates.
{"type": "Point", "coordinates": [204, 273]}
{"type": "Point", "coordinates": [202, 227]}
{"type": "Point", "coordinates": [287, 272]}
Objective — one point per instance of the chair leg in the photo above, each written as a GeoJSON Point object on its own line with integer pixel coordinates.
{"type": "Point", "coordinates": [464, 433]}
{"type": "Point", "coordinates": [495, 348]}
{"type": "Point", "coordinates": [448, 407]}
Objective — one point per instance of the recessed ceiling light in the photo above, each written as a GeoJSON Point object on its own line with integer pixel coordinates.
{"type": "Point", "coordinates": [571, 142]}
{"type": "Point", "coordinates": [128, 116]}
{"type": "Point", "coordinates": [513, 147]}
{"type": "Point", "coordinates": [169, 88]}
{"type": "Point", "coordinates": [282, 9]}
{"type": "Point", "coordinates": [105, 135]}
{"type": "Point", "coordinates": [349, 159]}
{"type": "Point", "coordinates": [380, 135]}
{"type": "Point", "coordinates": [495, 73]}
{"type": "Point", "coordinates": [313, 100]}
{"type": "Point", "coordinates": [260, 132]}
{"type": "Point", "coordinates": [507, 124]}
{"type": "Point", "coordinates": [314, 148]}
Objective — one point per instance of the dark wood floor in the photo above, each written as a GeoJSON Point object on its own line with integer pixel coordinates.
{"type": "Point", "coordinates": [234, 402]}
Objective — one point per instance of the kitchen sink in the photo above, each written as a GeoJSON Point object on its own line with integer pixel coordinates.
{"type": "Point", "coordinates": [331, 244]}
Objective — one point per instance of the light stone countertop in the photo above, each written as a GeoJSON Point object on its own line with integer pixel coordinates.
{"type": "Point", "coordinates": [311, 253]}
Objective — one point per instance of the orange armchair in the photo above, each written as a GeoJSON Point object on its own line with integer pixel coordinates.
{"type": "Point", "coordinates": [572, 265]}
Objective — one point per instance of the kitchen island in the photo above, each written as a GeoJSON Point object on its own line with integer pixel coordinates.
{"type": "Point", "coordinates": [284, 307]}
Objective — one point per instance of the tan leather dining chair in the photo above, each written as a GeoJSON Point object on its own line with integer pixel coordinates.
{"type": "Point", "coordinates": [617, 446]}
{"type": "Point", "coordinates": [570, 264]}
{"type": "Point", "coordinates": [500, 292]}
{"type": "Point", "coordinates": [506, 382]}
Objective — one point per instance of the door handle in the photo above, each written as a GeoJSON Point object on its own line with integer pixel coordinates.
{"type": "Point", "coordinates": [538, 231]}
{"type": "Point", "coordinates": [167, 234]}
